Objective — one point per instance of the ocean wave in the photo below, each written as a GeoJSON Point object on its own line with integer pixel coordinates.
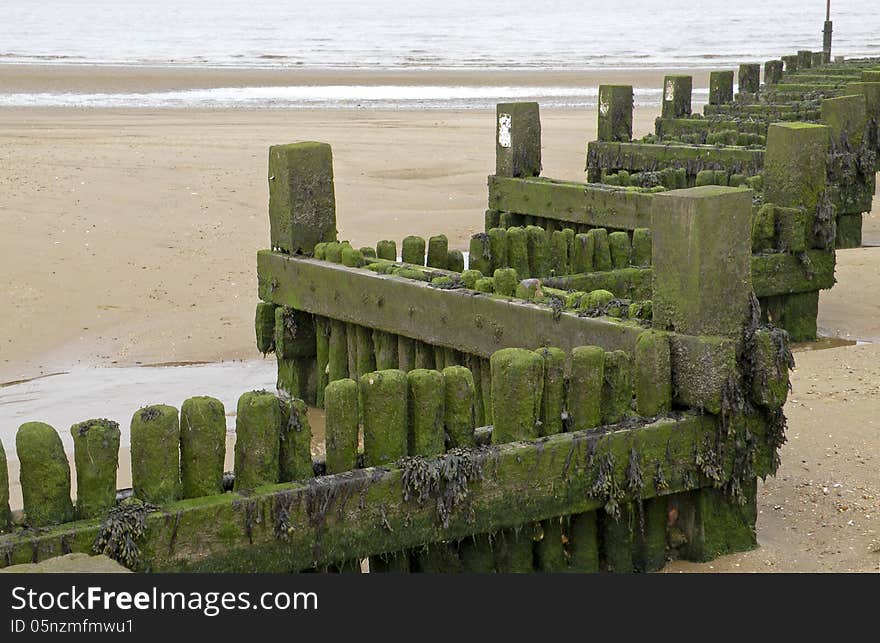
{"type": "Point", "coordinates": [333, 96]}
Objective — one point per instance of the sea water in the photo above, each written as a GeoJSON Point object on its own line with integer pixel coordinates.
{"type": "Point", "coordinates": [417, 35]}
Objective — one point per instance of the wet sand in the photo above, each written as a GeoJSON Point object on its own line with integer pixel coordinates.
{"type": "Point", "coordinates": [130, 237]}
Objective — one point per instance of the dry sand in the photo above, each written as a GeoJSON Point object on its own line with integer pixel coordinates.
{"type": "Point", "coordinates": [130, 237]}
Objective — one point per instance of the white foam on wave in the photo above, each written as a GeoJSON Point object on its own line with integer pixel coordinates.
{"type": "Point", "coordinates": [331, 96]}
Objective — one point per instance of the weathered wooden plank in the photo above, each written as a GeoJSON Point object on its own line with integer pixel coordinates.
{"type": "Point", "coordinates": [462, 319]}
{"type": "Point", "coordinates": [571, 202]}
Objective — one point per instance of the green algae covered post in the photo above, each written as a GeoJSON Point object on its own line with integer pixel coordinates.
{"type": "Point", "coordinates": [772, 72]}
{"type": "Point", "coordinates": [720, 87]}
{"type": "Point", "coordinates": [497, 249]}
{"type": "Point", "coordinates": [365, 361]}
{"type": "Point", "coordinates": [651, 540]}
{"type": "Point", "coordinates": [479, 254]}
{"type": "Point", "coordinates": [438, 251]}
{"type": "Point", "coordinates": [695, 292]}
{"type": "Point", "coordinates": [583, 543]}
{"type": "Point", "coordinates": [386, 249]}
{"type": "Point", "coordinates": [337, 351]}
{"type": "Point", "coordinates": [96, 454]}
{"type": "Point", "coordinates": [455, 261]}
{"type": "Point", "coordinates": [585, 387]}
{"type": "Point", "coordinates": [385, 345]}
{"type": "Point", "coordinates": [615, 113]}
{"type": "Point", "coordinates": [553, 399]}
{"type": "Point", "coordinates": [621, 249]}
{"type": "Point", "coordinates": [5, 514]}
{"type": "Point", "coordinates": [804, 59]}
{"type": "Point", "coordinates": [202, 446]}
{"type": "Point", "coordinates": [413, 250]}
{"type": "Point", "coordinates": [601, 249]}
{"type": "Point", "coordinates": [549, 550]}
{"type": "Point", "coordinates": [582, 253]}
{"type": "Point", "coordinates": [517, 140]}
{"type": "Point", "coordinates": [506, 281]}
{"type": "Point", "coordinates": [641, 247]}
{"type": "Point", "coordinates": [295, 448]}
{"type": "Point", "coordinates": [426, 415]}
{"type": "Point", "coordinates": [458, 405]}
{"type": "Point", "coordinates": [155, 454]}
{"type": "Point", "coordinates": [302, 203]}
{"type": "Point", "coordinates": [539, 251]}
{"type": "Point", "coordinates": [790, 63]}
{"type": "Point", "coordinates": [677, 92]}
{"type": "Point", "coordinates": [383, 397]}
{"type": "Point", "coordinates": [749, 78]}
{"type": "Point", "coordinates": [258, 424]}
{"type": "Point", "coordinates": [518, 251]}
{"type": "Point", "coordinates": [618, 536]}
{"type": "Point", "coordinates": [264, 325]}
{"type": "Point", "coordinates": [44, 475]}
{"type": "Point", "coordinates": [517, 386]}
{"type": "Point", "coordinates": [341, 425]}
{"type": "Point", "coordinates": [653, 374]}
{"type": "Point", "coordinates": [715, 523]}
{"type": "Point", "coordinates": [617, 390]}
{"type": "Point", "coordinates": [406, 353]}
{"type": "Point", "coordinates": [795, 172]}
{"type": "Point", "coordinates": [322, 357]}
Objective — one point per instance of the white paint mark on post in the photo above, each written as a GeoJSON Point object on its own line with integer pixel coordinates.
{"type": "Point", "coordinates": [670, 91]}
{"type": "Point", "coordinates": [504, 130]}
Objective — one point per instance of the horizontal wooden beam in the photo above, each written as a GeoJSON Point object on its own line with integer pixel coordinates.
{"type": "Point", "coordinates": [462, 319]}
{"type": "Point", "coordinates": [571, 202]}
{"type": "Point", "coordinates": [295, 526]}
{"type": "Point", "coordinates": [645, 157]}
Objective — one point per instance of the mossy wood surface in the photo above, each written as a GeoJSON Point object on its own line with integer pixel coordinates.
{"type": "Point", "coordinates": [572, 202]}
{"type": "Point", "coordinates": [295, 526]}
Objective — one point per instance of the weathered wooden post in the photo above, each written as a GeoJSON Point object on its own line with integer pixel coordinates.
{"type": "Point", "coordinates": [615, 113]}
{"type": "Point", "coordinates": [295, 450]}
{"type": "Point", "coordinates": [702, 286]}
{"type": "Point", "coordinates": [720, 87]}
{"type": "Point", "coordinates": [749, 78]}
{"type": "Point", "coordinates": [693, 292]}
{"type": "Point", "coordinates": [677, 92]}
{"type": "Point", "coordinates": [155, 454]}
{"type": "Point", "coordinates": [851, 190]}
{"type": "Point", "coordinates": [44, 475]}
{"type": "Point", "coordinates": [790, 63]}
{"type": "Point", "coordinates": [827, 30]}
{"type": "Point", "coordinates": [341, 425]}
{"type": "Point", "coordinates": [772, 72]}
{"type": "Point", "coordinates": [302, 201]}
{"type": "Point", "coordinates": [258, 423]}
{"type": "Point", "coordinates": [804, 59]}
{"type": "Point", "coordinates": [518, 140]}
{"type": "Point", "coordinates": [383, 396]}
{"type": "Point", "coordinates": [202, 446]}
{"type": "Point", "coordinates": [96, 454]}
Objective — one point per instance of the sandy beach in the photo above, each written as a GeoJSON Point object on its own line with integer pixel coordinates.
{"type": "Point", "coordinates": [129, 237]}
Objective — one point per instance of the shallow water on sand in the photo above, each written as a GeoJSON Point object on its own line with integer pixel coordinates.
{"type": "Point", "coordinates": [63, 399]}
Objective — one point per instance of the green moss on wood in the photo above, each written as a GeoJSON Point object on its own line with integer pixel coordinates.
{"type": "Point", "coordinates": [202, 446]}
{"type": "Point", "coordinates": [96, 453]}
{"type": "Point", "coordinates": [259, 421]}
{"type": "Point", "coordinates": [155, 454]}
{"type": "Point", "coordinates": [517, 383]}
{"type": "Point", "coordinates": [383, 400]}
